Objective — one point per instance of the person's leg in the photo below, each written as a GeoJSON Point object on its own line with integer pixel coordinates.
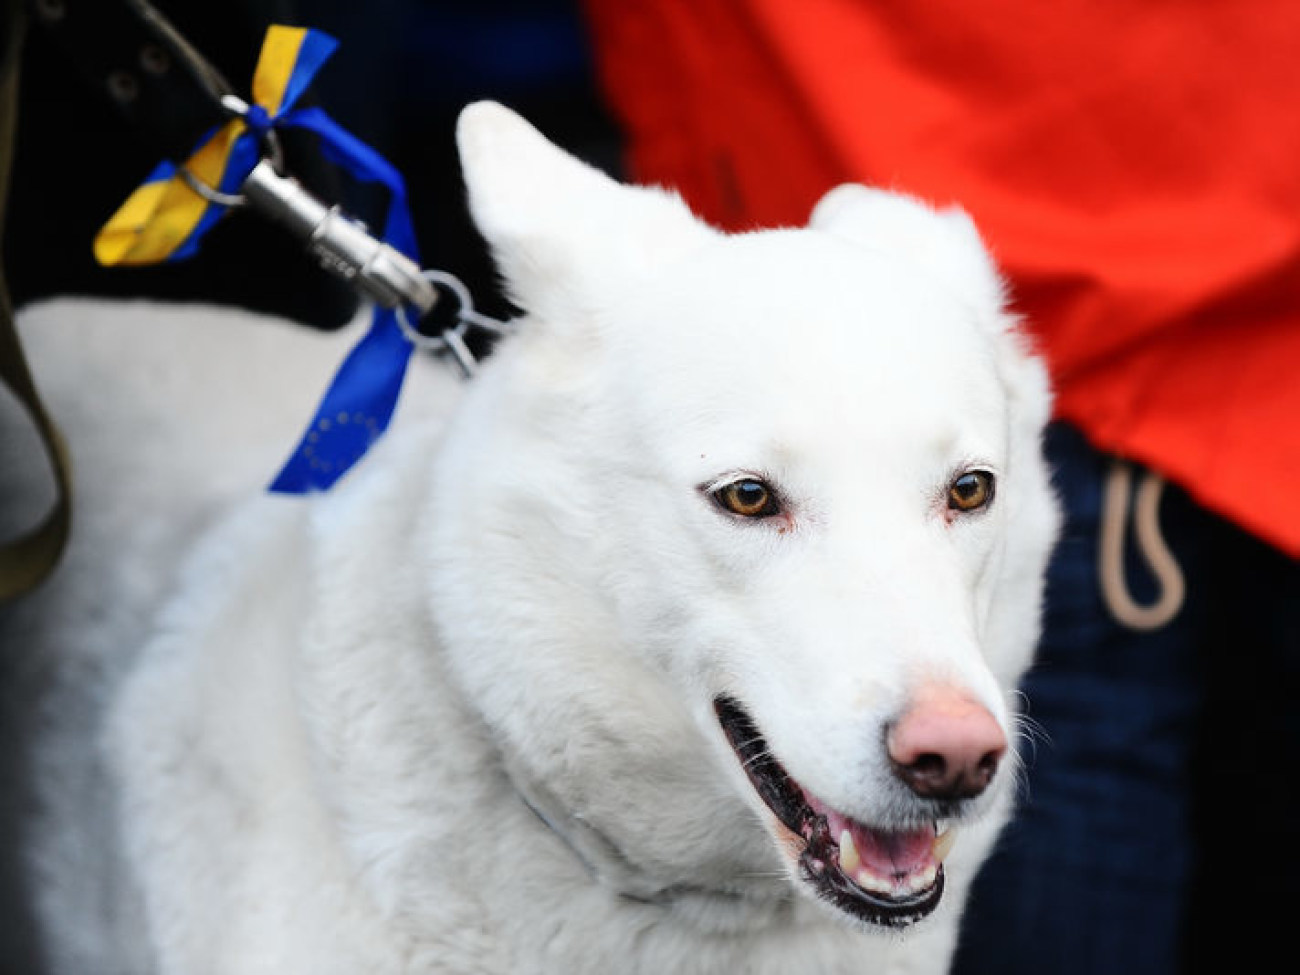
{"type": "Point", "coordinates": [1091, 876]}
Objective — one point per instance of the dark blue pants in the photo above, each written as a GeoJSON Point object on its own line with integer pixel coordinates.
{"type": "Point", "coordinates": [1157, 828]}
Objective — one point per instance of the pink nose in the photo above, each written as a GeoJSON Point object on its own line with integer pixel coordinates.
{"type": "Point", "coordinates": [946, 745]}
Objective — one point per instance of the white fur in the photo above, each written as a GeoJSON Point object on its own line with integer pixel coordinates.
{"type": "Point", "coordinates": [325, 736]}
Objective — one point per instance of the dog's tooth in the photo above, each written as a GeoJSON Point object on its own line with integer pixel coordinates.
{"type": "Point", "coordinates": [869, 881]}
{"type": "Point", "coordinates": [849, 859]}
{"type": "Point", "coordinates": [925, 878]}
{"type": "Point", "coordinates": [943, 844]}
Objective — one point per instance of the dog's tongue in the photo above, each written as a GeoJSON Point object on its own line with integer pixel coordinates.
{"type": "Point", "coordinates": [892, 852]}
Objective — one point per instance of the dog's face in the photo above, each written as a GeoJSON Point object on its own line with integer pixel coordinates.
{"type": "Point", "coordinates": [795, 476]}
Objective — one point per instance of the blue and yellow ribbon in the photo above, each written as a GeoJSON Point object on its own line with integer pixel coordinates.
{"type": "Point", "coordinates": [164, 220]}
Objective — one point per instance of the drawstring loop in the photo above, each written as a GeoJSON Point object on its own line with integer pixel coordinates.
{"type": "Point", "coordinates": [1151, 546]}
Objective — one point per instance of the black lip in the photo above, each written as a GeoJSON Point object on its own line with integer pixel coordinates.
{"type": "Point", "coordinates": [818, 864]}
{"type": "Point", "coordinates": [770, 780]}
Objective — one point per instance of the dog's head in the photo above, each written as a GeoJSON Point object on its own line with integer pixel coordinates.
{"type": "Point", "coordinates": [770, 502]}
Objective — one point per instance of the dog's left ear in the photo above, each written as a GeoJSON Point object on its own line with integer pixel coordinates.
{"type": "Point", "coordinates": [563, 233]}
{"type": "Point", "coordinates": [943, 242]}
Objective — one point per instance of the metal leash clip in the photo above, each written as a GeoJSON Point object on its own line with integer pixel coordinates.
{"type": "Point", "coordinates": [382, 273]}
{"type": "Point", "coordinates": [345, 248]}
{"type": "Point", "coordinates": [342, 246]}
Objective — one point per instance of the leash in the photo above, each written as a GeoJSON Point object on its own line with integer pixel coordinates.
{"type": "Point", "coordinates": [27, 560]}
{"type": "Point", "coordinates": [237, 165]}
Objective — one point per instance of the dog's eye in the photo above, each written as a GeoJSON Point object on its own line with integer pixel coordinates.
{"type": "Point", "coordinates": [970, 491]}
{"type": "Point", "coordinates": [748, 497]}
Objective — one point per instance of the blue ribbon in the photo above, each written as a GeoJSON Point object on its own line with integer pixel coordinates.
{"type": "Point", "coordinates": [359, 403]}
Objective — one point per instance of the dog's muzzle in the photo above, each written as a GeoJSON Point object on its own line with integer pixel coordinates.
{"type": "Point", "coordinates": [880, 875]}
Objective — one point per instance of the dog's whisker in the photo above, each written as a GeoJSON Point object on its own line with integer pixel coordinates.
{"type": "Point", "coordinates": [1031, 732]}
{"type": "Point", "coordinates": [1020, 783]}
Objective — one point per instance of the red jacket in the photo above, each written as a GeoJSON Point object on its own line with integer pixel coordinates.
{"type": "Point", "coordinates": [1134, 167]}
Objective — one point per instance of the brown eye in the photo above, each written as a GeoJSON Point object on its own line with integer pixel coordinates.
{"type": "Point", "coordinates": [748, 497]}
{"type": "Point", "coordinates": [970, 491]}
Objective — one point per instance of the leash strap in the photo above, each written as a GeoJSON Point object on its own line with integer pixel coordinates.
{"type": "Point", "coordinates": [27, 560]}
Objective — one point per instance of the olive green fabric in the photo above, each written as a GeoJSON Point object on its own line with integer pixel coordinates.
{"type": "Point", "coordinates": [27, 560]}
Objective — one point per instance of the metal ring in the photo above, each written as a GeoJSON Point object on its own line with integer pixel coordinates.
{"type": "Point", "coordinates": [467, 316]}
{"type": "Point", "coordinates": [442, 279]}
{"type": "Point", "coordinates": [468, 313]}
{"type": "Point", "coordinates": [433, 343]}
{"type": "Point", "coordinates": [236, 107]}
{"type": "Point", "coordinates": [439, 343]}
{"type": "Point", "coordinates": [451, 340]}
{"type": "Point", "coordinates": [208, 193]}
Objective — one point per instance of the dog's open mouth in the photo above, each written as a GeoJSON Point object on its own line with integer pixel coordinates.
{"type": "Point", "coordinates": [889, 877]}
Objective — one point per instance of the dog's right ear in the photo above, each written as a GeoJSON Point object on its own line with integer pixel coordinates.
{"type": "Point", "coordinates": [562, 232]}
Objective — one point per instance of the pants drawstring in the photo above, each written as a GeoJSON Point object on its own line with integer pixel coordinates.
{"type": "Point", "coordinates": [1151, 546]}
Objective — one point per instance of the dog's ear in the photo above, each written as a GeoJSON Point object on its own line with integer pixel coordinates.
{"type": "Point", "coordinates": [943, 242]}
{"type": "Point", "coordinates": [561, 231]}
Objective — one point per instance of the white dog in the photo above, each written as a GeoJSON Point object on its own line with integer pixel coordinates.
{"type": "Point", "coordinates": [687, 641]}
